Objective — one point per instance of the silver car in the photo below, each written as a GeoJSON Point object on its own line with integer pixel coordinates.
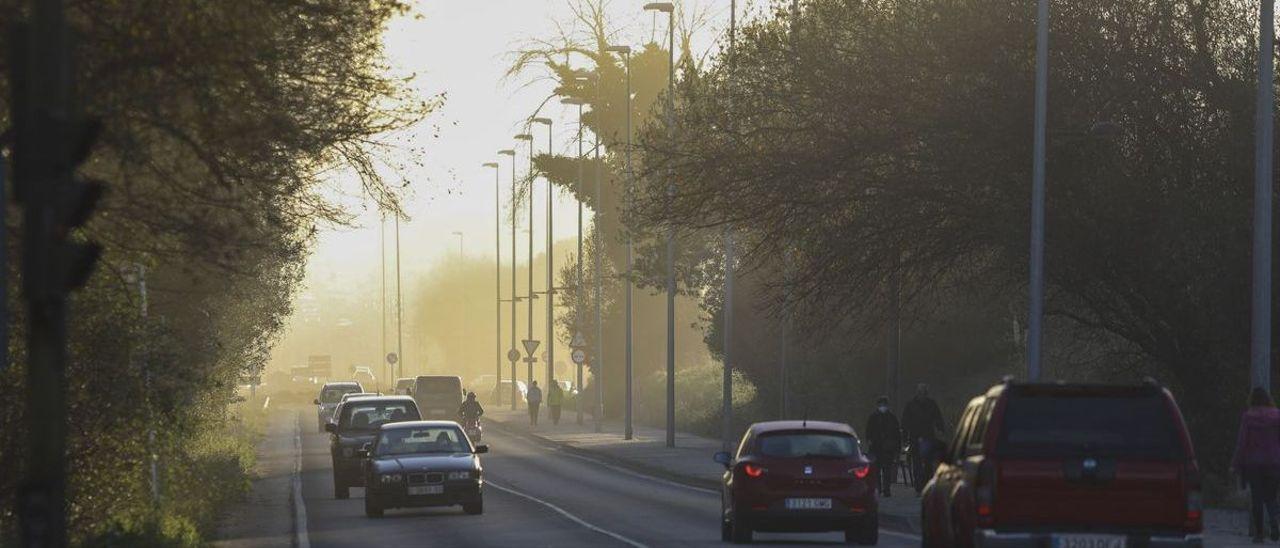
{"type": "Point", "coordinates": [330, 396]}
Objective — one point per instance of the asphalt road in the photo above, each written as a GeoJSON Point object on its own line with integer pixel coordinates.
{"type": "Point", "coordinates": [534, 496]}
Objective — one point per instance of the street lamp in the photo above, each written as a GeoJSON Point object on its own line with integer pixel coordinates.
{"type": "Point", "coordinates": [497, 279]}
{"type": "Point", "coordinates": [529, 349]}
{"type": "Point", "coordinates": [513, 354]}
{"type": "Point", "coordinates": [551, 292]}
{"type": "Point", "coordinates": [669, 9]}
{"type": "Point", "coordinates": [1260, 343]}
{"type": "Point", "coordinates": [460, 237]}
{"type": "Point", "coordinates": [627, 430]}
{"type": "Point", "coordinates": [578, 287]}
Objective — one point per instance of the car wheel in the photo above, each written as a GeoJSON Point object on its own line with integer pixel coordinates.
{"type": "Point", "coordinates": [865, 531]}
{"type": "Point", "coordinates": [726, 530]}
{"type": "Point", "coordinates": [739, 531]}
{"type": "Point", "coordinates": [371, 507]}
{"type": "Point", "coordinates": [340, 488]}
{"type": "Point", "coordinates": [475, 507]}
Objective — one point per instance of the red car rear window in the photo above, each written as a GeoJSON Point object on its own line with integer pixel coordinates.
{"type": "Point", "coordinates": [808, 444]}
{"type": "Point", "coordinates": [1082, 425]}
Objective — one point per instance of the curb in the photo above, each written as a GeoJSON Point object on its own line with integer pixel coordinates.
{"type": "Point", "coordinates": [893, 522]}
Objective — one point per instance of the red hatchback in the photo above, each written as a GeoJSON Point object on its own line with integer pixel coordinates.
{"type": "Point", "coordinates": [1067, 465]}
{"type": "Point", "coordinates": [798, 476]}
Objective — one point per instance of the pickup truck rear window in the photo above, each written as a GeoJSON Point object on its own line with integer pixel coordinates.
{"type": "Point", "coordinates": [1044, 425]}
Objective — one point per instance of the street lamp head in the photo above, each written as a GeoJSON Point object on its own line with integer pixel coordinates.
{"type": "Point", "coordinates": [524, 137]}
{"type": "Point", "coordinates": [493, 165]}
{"type": "Point", "coordinates": [507, 152]}
{"type": "Point", "coordinates": [573, 101]}
{"type": "Point", "coordinates": [625, 50]}
{"type": "Point", "coordinates": [664, 7]}
{"type": "Point", "coordinates": [543, 121]}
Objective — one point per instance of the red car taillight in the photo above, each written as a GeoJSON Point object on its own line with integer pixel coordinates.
{"type": "Point", "coordinates": [752, 471]}
{"type": "Point", "coordinates": [1194, 521]}
{"type": "Point", "coordinates": [984, 493]}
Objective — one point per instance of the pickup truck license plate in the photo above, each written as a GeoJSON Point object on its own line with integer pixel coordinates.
{"type": "Point", "coordinates": [426, 490]}
{"type": "Point", "coordinates": [808, 504]}
{"type": "Point", "coordinates": [1088, 541]}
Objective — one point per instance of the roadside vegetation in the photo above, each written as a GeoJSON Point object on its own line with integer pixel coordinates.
{"type": "Point", "coordinates": [223, 123]}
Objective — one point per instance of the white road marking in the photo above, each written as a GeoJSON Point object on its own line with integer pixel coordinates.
{"type": "Point", "coordinates": [300, 538]}
{"type": "Point", "coordinates": [566, 514]}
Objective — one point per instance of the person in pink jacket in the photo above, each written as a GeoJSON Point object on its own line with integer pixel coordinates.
{"type": "Point", "coordinates": [1257, 459]}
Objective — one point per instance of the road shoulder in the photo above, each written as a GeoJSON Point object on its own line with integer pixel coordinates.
{"type": "Point", "coordinates": [266, 516]}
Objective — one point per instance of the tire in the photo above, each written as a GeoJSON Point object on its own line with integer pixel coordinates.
{"type": "Point", "coordinates": [475, 507]}
{"type": "Point", "coordinates": [341, 490]}
{"type": "Point", "coordinates": [726, 530]}
{"type": "Point", "coordinates": [865, 531]}
{"type": "Point", "coordinates": [739, 531]}
{"type": "Point", "coordinates": [371, 507]}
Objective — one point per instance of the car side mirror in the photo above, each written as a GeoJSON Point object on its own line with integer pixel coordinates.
{"type": "Point", "coordinates": [482, 449]}
{"type": "Point", "coordinates": [316, 401]}
{"type": "Point", "coordinates": [330, 427]}
{"type": "Point", "coordinates": [362, 453]}
{"type": "Point", "coordinates": [724, 458]}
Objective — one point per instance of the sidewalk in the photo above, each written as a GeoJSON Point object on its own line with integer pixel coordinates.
{"type": "Point", "coordinates": [689, 462]}
{"type": "Point", "coordinates": [266, 517]}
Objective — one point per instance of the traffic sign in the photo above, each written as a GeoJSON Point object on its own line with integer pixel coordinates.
{"type": "Point", "coordinates": [579, 341]}
{"type": "Point", "coordinates": [513, 355]}
{"type": "Point", "coordinates": [530, 347]}
{"type": "Point", "coordinates": [392, 358]}
{"type": "Point", "coordinates": [579, 356]}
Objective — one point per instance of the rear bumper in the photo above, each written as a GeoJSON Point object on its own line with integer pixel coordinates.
{"type": "Point", "coordinates": [988, 538]}
{"type": "Point", "coordinates": [804, 521]}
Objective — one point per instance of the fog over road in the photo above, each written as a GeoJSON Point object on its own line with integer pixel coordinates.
{"type": "Point", "coordinates": [534, 496]}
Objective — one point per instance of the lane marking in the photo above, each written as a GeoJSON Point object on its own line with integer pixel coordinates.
{"type": "Point", "coordinates": [550, 446]}
{"type": "Point", "coordinates": [300, 538]}
{"type": "Point", "coordinates": [566, 514]}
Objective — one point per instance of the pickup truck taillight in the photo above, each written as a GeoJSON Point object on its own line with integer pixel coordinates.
{"type": "Point", "coordinates": [984, 493]}
{"type": "Point", "coordinates": [1194, 521]}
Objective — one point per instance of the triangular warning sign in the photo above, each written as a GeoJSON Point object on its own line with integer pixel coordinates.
{"type": "Point", "coordinates": [579, 341]}
{"type": "Point", "coordinates": [530, 347]}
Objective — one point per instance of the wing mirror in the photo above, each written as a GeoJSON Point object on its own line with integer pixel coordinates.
{"type": "Point", "coordinates": [365, 450]}
{"type": "Point", "coordinates": [723, 458]}
{"type": "Point", "coordinates": [316, 401]}
{"type": "Point", "coordinates": [482, 449]}
{"type": "Point", "coordinates": [330, 427]}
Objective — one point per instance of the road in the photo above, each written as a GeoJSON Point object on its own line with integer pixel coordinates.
{"type": "Point", "coordinates": [534, 496]}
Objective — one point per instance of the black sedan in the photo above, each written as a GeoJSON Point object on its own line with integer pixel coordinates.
{"type": "Point", "coordinates": [355, 423]}
{"type": "Point", "coordinates": [422, 463]}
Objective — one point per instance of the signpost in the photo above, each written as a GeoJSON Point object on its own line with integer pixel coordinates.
{"type": "Point", "coordinates": [530, 346]}
{"type": "Point", "coordinates": [513, 355]}
{"type": "Point", "coordinates": [579, 355]}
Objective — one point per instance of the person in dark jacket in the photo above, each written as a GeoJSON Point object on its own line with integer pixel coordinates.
{"type": "Point", "coordinates": [884, 442]}
{"type": "Point", "coordinates": [922, 419]}
{"type": "Point", "coordinates": [470, 408]}
{"type": "Point", "coordinates": [1257, 459]}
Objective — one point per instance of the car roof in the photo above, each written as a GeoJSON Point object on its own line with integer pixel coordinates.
{"type": "Point", "coordinates": [791, 425]}
{"type": "Point", "coordinates": [382, 397]}
{"type": "Point", "coordinates": [1076, 389]}
{"type": "Point", "coordinates": [340, 384]}
{"type": "Point", "coordinates": [419, 424]}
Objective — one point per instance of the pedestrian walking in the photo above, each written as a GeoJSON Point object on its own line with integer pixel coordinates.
{"type": "Point", "coordinates": [1257, 460]}
{"type": "Point", "coordinates": [555, 399]}
{"type": "Point", "coordinates": [922, 419]}
{"type": "Point", "coordinates": [884, 440]}
{"type": "Point", "coordinates": [534, 398]}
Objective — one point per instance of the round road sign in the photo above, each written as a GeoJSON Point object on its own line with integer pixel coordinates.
{"type": "Point", "coordinates": [579, 357]}
{"type": "Point", "coordinates": [392, 358]}
{"type": "Point", "coordinates": [513, 355]}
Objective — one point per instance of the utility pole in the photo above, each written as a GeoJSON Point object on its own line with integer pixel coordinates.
{"type": "Point", "coordinates": [727, 396]}
{"type": "Point", "coordinates": [578, 287]}
{"type": "Point", "coordinates": [399, 305]}
{"type": "Point", "coordinates": [531, 356]}
{"type": "Point", "coordinates": [1260, 345]}
{"type": "Point", "coordinates": [52, 139]}
{"type": "Point", "coordinates": [497, 281]}
{"type": "Point", "coordinates": [669, 9]}
{"type": "Point", "coordinates": [1036, 312]}
{"type": "Point", "coordinates": [551, 286]}
{"type": "Point", "coordinates": [513, 355]}
{"type": "Point", "coordinates": [628, 430]}
{"type": "Point", "coordinates": [382, 253]}
{"type": "Point", "coordinates": [599, 265]}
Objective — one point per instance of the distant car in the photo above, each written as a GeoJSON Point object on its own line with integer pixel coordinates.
{"type": "Point", "coordinates": [566, 386]}
{"type": "Point", "coordinates": [423, 463]}
{"type": "Point", "coordinates": [1067, 465]}
{"type": "Point", "coordinates": [364, 375]}
{"type": "Point", "coordinates": [504, 388]}
{"type": "Point", "coordinates": [798, 476]}
{"type": "Point", "coordinates": [330, 395]}
{"type": "Point", "coordinates": [404, 386]}
{"type": "Point", "coordinates": [438, 396]}
{"type": "Point", "coordinates": [356, 423]}
{"type": "Point", "coordinates": [482, 384]}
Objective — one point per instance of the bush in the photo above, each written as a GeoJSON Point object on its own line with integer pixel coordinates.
{"type": "Point", "coordinates": [699, 392]}
{"type": "Point", "coordinates": [148, 530]}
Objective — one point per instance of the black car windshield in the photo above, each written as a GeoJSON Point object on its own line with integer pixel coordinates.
{"type": "Point", "coordinates": [1070, 425]}
{"type": "Point", "coordinates": [428, 439]}
{"type": "Point", "coordinates": [369, 416]}
{"type": "Point", "coordinates": [808, 444]}
{"type": "Point", "coordinates": [334, 394]}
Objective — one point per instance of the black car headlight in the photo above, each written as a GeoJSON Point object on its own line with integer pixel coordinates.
{"type": "Point", "coordinates": [390, 478]}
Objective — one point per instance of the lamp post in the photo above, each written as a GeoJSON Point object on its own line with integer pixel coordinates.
{"type": "Point", "coordinates": [1036, 284]}
{"type": "Point", "coordinates": [460, 237]}
{"type": "Point", "coordinates": [497, 280]}
{"type": "Point", "coordinates": [669, 9]}
{"type": "Point", "coordinates": [628, 431]}
{"type": "Point", "coordinates": [726, 397]}
{"type": "Point", "coordinates": [531, 356]}
{"type": "Point", "coordinates": [1260, 344]}
{"type": "Point", "coordinates": [513, 354]}
{"type": "Point", "coordinates": [578, 286]}
{"type": "Point", "coordinates": [551, 286]}
{"type": "Point", "coordinates": [399, 304]}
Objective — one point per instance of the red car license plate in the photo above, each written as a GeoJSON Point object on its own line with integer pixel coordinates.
{"type": "Point", "coordinates": [808, 504]}
{"type": "Point", "coordinates": [1088, 541]}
